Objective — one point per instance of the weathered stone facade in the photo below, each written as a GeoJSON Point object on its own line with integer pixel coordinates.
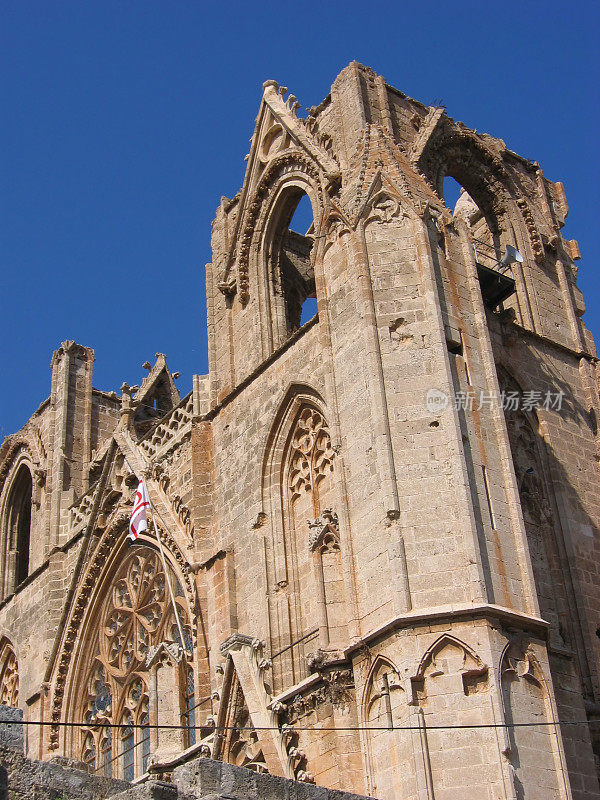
{"type": "Point", "coordinates": [380, 525]}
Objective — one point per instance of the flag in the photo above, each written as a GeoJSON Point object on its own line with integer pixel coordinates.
{"type": "Point", "coordinates": [139, 519]}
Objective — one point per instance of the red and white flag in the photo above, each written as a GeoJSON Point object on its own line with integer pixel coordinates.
{"type": "Point", "coordinates": [139, 519]}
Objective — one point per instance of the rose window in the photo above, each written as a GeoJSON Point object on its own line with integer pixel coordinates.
{"type": "Point", "coordinates": [137, 615]}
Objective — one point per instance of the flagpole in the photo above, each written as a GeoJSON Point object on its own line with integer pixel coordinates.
{"type": "Point", "coordinates": [164, 563]}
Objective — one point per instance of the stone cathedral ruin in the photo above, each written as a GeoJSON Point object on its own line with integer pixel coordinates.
{"type": "Point", "coordinates": [380, 522]}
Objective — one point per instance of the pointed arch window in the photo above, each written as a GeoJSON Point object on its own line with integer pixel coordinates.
{"type": "Point", "coordinates": [311, 601]}
{"type": "Point", "coordinates": [19, 525]}
{"type": "Point", "coordinates": [290, 264]}
{"type": "Point", "coordinates": [135, 617]}
{"type": "Point", "coordinates": [475, 207]}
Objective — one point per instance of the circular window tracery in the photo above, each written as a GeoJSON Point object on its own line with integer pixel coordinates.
{"type": "Point", "coordinates": [137, 615]}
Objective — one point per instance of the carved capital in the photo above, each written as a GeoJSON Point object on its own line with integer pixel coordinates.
{"type": "Point", "coordinates": [235, 642]}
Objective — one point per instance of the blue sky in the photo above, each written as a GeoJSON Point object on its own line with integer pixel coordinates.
{"type": "Point", "coordinates": [125, 122]}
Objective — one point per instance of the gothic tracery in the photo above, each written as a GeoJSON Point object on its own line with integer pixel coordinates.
{"type": "Point", "coordinates": [9, 676]}
{"type": "Point", "coordinates": [311, 456]}
{"type": "Point", "coordinates": [136, 617]}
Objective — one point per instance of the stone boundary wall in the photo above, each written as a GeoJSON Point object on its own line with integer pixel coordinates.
{"type": "Point", "coordinates": [215, 780]}
{"type": "Point", "coordinates": [23, 779]}
{"type": "Point", "coordinates": [201, 779]}
{"type": "Point", "coordinates": [198, 779]}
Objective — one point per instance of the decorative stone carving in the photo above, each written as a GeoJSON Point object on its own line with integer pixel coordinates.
{"type": "Point", "coordinates": [336, 227]}
{"type": "Point", "coordinates": [537, 245]}
{"type": "Point", "coordinates": [312, 455]}
{"type": "Point", "coordinates": [86, 591]}
{"type": "Point", "coordinates": [384, 208]}
{"type": "Point", "coordinates": [449, 657]}
{"type": "Point", "coordinates": [324, 531]}
{"type": "Point", "coordinates": [179, 508]}
{"type": "Point", "coordinates": [228, 287]}
{"type": "Point", "coordinates": [177, 426]}
{"type": "Point", "coordinates": [165, 651]}
{"type": "Point", "coordinates": [336, 688]}
{"type": "Point", "coordinates": [9, 675]}
{"type": "Point", "coordinates": [19, 445]}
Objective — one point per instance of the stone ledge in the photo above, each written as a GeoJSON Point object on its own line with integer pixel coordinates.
{"type": "Point", "coordinates": [451, 613]}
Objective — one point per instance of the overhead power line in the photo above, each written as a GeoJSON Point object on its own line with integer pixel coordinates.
{"type": "Point", "coordinates": [467, 726]}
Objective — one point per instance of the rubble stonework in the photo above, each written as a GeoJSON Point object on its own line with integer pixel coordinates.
{"type": "Point", "coordinates": [380, 524]}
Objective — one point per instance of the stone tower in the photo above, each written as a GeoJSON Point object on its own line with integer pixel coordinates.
{"type": "Point", "coordinates": [381, 522]}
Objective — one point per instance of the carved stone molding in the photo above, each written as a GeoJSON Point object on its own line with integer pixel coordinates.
{"type": "Point", "coordinates": [12, 448]}
{"type": "Point", "coordinates": [335, 227]}
{"type": "Point", "coordinates": [324, 530]}
{"type": "Point", "coordinates": [181, 511]}
{"type": "Point", "coordinates": [336, 688]}
{"type": "Point", "coordinates": [85, 595]}
{"type": "Point", "coordinates": [537, 245]}
{"type": "Point", "coordinates": [311, 454]}
{"type": "Point", "coordinates": [288, 162]}
{"type": "Point", "coordinates": [9, 675]}
{"type": "Point", "coordinates": [384, 208]}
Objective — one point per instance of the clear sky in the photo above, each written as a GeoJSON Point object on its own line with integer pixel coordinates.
{"type": "Point", "coordinates": [125, 122]}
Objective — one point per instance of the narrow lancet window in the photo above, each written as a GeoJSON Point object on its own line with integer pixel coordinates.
{"type": "Point", "coordinates": [19, 525]}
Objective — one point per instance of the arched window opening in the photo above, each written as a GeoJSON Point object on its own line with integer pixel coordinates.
{"type": "Point", "coordinates": [136, 616]}
{"type": "Point", "coordinates": [495, 276]}
{"type": "Point", "coordinates": [292, 265]}
{"type": "Point", "coordinates": [474, 208]}
{"type": "Point", "coordinates": [19, 524]}
{"type": "Point", "coordinates": [452, 192]}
